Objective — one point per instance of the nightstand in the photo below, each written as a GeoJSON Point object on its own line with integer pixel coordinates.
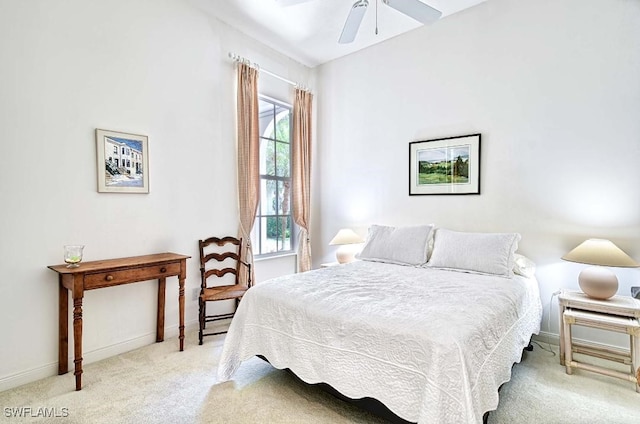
{"type": "Point", "coordinates": [619, 313]}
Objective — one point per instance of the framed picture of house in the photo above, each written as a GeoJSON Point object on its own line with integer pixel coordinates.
{"type": "Point", "coordinates": [123, 162]}
{"type": "Point", "coordinates": [445, 166]}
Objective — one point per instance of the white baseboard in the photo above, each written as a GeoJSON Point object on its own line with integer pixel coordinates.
{"type": "Point", "coordinates": [47, 370]}
{"type": "Point", "coordinates": [553, 339]}
{"type": "Point", "coordinates": [547, 338]}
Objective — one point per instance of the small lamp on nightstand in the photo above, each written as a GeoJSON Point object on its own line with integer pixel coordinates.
{"type": "Point", "coordinates": [596, 281]}
{"type": "Point", "coordinates": [346, 238]}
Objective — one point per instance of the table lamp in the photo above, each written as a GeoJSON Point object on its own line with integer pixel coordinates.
{"type": "Point", "coordinates": [346, 238]}
{"type": "Point", "coordinates": [596, 281]}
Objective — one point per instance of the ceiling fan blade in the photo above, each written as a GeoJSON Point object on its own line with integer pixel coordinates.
{"type": "Point", "coordinates": [286, 3]}
{"type": "Point", "coordinates": [353, 21]}
{"type": "Point", "coordinates": [415, 9]}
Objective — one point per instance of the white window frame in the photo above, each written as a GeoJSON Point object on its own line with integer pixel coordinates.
{"type": "Point", "coordinates": [258, 234]}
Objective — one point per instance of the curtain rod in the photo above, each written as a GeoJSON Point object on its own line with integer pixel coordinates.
{"type": "Point", "coordinates": [238, 58]}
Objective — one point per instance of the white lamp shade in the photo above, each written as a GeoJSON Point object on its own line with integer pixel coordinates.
{"type": "Point", "coordinates": [596, 281]}
{"type": "Point", "coordinates": [346, 236]}
{"type": "Point", "coordinates": [600, 252]}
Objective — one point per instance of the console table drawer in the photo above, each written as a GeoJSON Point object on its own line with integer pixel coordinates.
{"type": "Point", "coordinates": [114, 278]}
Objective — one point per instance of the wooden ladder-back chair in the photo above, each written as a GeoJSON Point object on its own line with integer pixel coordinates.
{"type": "Point", "coordinates": [220, 259]}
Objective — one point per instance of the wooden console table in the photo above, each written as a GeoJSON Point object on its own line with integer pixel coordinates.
{"type": "Point", "coordinates": [109, 273]}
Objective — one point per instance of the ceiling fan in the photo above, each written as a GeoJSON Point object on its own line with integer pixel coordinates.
{"type": "Point", "coordinates": [415, 9]}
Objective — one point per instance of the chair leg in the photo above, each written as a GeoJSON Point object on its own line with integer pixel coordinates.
{"type": "Point", "coordinates": [202, 315]}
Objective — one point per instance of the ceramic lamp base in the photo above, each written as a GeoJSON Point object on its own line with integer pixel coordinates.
{"type": "Point", "coordinates": [345, 254]}
{"type": "Point", "coordinates": [598, 282]}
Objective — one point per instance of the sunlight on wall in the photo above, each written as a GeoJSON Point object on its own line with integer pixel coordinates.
{"type": "Point", "coordinates": [359, 209]}
{"type": "Point", "coordinates": [600, 203]}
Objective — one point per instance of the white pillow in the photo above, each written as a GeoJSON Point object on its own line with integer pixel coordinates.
{"type": "Point", "coordinates": [523, 265]}
{"type": "Point", "coordinates": [401, 245]}
{"type": "Point", "coordinates": [484, 253]}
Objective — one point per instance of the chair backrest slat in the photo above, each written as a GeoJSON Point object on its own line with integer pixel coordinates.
{"type": "Point", "coordinates": [220, 256]}
{"type": "Point", "coordinates": [219, 272]}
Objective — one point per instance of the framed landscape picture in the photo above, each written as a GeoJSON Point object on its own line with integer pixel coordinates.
{"type": "Point", "coordinates": [445, 166]}
{"type": "Point", "coordinates": [123, 162]}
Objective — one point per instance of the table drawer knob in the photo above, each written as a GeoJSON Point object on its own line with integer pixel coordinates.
{"type": "Point", "coordinates": [109, 277]}
{"type": "Point", "coordinates": [163, 269]}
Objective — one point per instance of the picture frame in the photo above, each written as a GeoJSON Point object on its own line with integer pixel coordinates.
{"type": "Point", "coordinates": [445, 166]}
{"type": "Point", "coordinates": [122, 162]}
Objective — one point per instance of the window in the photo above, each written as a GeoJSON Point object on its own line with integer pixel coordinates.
{"type": "Point", "coordinates": [273, 229]}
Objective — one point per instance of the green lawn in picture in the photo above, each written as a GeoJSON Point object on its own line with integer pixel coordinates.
{"type": "Point", "coordinates": [437, 178]}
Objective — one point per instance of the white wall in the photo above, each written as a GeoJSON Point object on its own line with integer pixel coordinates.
{"type": "Point", "coordinates": [154, 67]}
{"type": "Point", "coordinates": [554, 89]}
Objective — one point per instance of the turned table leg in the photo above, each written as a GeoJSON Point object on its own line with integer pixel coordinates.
{"type": "Point", "coordinates": [162, 282]}
{"type": "Point", "coordinates": [181, 307]}
{"type": "Point", "coordinates": [63, 328]}
{"type": "Point", "coordinates": [78, 293]}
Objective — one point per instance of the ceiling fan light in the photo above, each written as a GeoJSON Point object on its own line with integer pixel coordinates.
{"type": "Point", "coordinates": [415, 9]}
{"type": "Point", "coordinates": [353, 22]}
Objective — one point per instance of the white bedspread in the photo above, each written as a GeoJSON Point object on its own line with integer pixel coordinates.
{"type": "Point", "coordinates": [432, 345]}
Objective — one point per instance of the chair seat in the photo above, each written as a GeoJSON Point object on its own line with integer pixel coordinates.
{"type": "Point", "coordinates": [223, 292]}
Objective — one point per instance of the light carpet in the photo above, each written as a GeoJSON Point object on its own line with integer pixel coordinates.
{"type": "Point", "coordinates": [159, 384]}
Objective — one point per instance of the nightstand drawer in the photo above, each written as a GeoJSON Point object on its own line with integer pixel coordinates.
{"type": "Point", "coordinates": [114, 278]}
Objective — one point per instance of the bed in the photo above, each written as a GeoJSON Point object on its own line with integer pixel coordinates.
{"type": "Point", "coordinates": [432, 343]}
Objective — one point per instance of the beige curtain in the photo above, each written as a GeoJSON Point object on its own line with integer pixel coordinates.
{"type": "Point", "coordinates": [301, 174]}
{"type": "Point", "coordinates": [248, 157]}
